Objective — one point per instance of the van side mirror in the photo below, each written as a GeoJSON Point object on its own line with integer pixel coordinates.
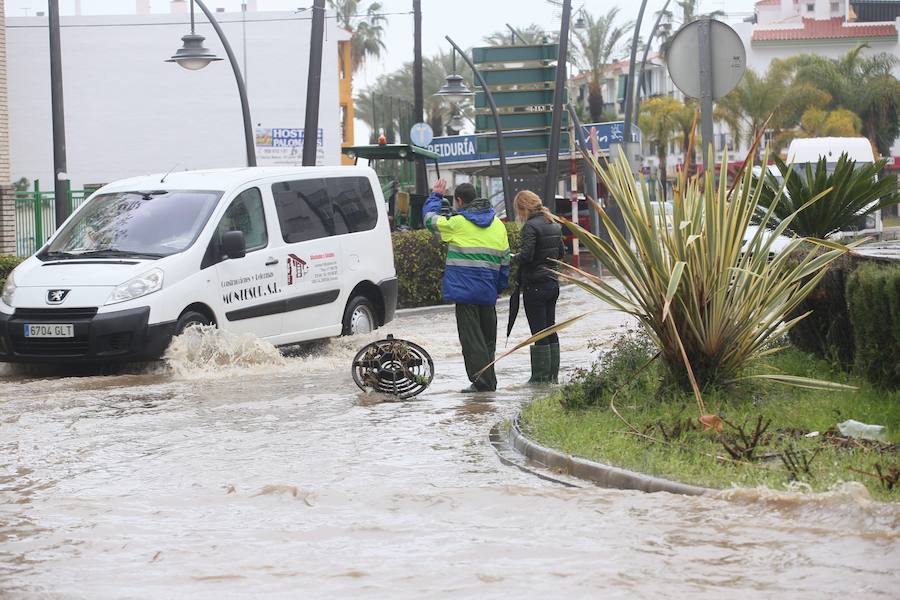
{"type": "Point", "coordinates": [233, 244]}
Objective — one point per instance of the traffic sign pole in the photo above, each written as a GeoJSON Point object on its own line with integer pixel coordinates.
{"type": "Point", "coordinates": [706, 88]}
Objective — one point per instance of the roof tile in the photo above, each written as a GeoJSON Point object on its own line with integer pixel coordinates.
{"type": "Point", "coordinates": [824, 30]}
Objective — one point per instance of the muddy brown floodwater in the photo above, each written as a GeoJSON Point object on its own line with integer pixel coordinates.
{"type": "Point", "coordinates": [234, 472]}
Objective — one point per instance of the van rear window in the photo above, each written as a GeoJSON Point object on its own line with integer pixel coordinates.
{"type": "Point", "coordinates": [310, 209]}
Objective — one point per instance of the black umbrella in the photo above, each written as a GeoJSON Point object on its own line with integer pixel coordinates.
{"type": "Point", "coordinates": [514, 304]}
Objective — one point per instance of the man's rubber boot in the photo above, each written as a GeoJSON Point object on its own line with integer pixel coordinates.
{"type": "Point", "coordinates": [540, 363]}
{"type": "Point", "coordinates": [554, 363]}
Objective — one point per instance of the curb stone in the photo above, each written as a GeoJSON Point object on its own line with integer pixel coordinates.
{"type": "Point", "coordinates": [603, 475]}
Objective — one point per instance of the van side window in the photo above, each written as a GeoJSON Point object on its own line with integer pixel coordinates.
{"type": "Point", "coordinates": [353, 202]}
{"type": "Point", "coordinates": [246, 214]}
{"type": "Point", "coordinates": [304, 210]}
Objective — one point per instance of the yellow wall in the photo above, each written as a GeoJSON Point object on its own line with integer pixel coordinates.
{"type": "Point", "coordinates": [345, 94]}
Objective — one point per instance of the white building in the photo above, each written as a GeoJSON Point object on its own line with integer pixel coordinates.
{"type": "Point", "coordinates": [128, 112]}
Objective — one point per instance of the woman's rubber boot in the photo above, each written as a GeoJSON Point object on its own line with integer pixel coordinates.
{"type": "Point", "coordinates": [540, 363]}
{"type": "Point", "coordinates": [554, 363]}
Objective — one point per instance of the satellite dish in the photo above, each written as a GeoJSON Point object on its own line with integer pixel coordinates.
{"type": "Point", "coordinates": [729, 58]}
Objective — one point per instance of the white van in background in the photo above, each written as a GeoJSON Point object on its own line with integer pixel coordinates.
{"type": "Point", "coordinates": [859, 149]}
{"type": "Point", "coordinates": [288, 254]}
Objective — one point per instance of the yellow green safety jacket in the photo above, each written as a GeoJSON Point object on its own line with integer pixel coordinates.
{"type": "Point", "coordinates": [477, 254]}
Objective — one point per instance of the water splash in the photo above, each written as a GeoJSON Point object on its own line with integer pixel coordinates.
{"type": "Point", "coordinates": [206, 350]}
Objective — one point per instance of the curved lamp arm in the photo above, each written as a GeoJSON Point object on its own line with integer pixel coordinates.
{"type": "Point", "coordinates": [249, 141]}
{"type": "Point", "coordinates": [504, 172]}
{"type": "Point", "coordinates": [637, 103]}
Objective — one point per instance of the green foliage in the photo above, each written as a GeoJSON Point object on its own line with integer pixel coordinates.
{"type": "Point", "coordinates": [366, 25]}
{"type": "Point", "coordinates": [616, 368]}
{"type": "Point", "coordinates": [826, 330]}
{"type": "Point", "coordinates": [387, 104]}
{"type": "Point", "coordinates": [661, 118]}
{"type": "Point", "coordinates": [593, 50]}
{"type": "Point", "coordinates": [691, 456]}
{"type": "Point", "coordinates": [7, 264]}
{"type": "Point", "coordinates": [873, 302]}
{"type": "Point", "coordinates": [708, 298]}
{"type": "Point", "coordinates": [419, 258]}
{"type": "Point", "coordinates": [847, 193]}
{"type": "Point", "coordinates": [532, 34]}
{"type": "Point", "coordinates": [863, 84]}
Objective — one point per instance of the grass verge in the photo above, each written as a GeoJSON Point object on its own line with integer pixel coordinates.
{"type": "Point", "coordinates": [577, 420]}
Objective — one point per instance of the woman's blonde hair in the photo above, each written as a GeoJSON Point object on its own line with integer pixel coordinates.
{"type": "Point", "coordinates": [528, 203]}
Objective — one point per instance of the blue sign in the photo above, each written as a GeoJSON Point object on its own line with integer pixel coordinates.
{"type": "Point", "coordinates": [463, 148]}
{"type": "Point", "coordinates": [421, 134]}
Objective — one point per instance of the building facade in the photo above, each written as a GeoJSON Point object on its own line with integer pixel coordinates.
{"type": "Point", "coordinates": [7, 204]}
{"type": "Point", "coordinates": [128, 112]}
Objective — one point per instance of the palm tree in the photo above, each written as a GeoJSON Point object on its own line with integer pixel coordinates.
{"type": "Point", "coordinates": [663, 117]}
{"type": "Point", "coordinates": [594, 46]}
{"type": "Point", "coordinates": [532, 34]}
{"type": "Point", "coordinates": [367, 27]}
{"type": "Point", "coordinates": [775, 99]}
{"type": "Point", "coordinates": [862, 84]}
{"type": "Point", "coordinates": [669, 25]}
{"type": "Point", "coordinates": [386, 104]}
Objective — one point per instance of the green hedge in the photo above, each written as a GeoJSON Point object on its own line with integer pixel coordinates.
{"type": "Point", "coordinates": [826, 330]}
{"type": "Point", "coordinates": [419, 258]}
{"type": "Point", "coordinates": [7, 264]}
{"type": "Point", "coordinates": [873, 303]}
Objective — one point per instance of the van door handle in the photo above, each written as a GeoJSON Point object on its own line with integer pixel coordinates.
{"type": "Point", "coordinates": [271, 261]}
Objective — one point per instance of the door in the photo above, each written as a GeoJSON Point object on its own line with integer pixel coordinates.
{"type": "Point", "coordinates": [252, 296]}
{"type": "Point", "coordinates": [312, 258]}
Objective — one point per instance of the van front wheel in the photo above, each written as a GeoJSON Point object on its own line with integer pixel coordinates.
{"type": "Point", "coordinates": [190, 318]}
{"type": "Point", "coordinates": [359, 316]}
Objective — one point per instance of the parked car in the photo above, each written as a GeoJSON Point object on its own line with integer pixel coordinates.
{"type": "Point", "coordinates": [288, 254]}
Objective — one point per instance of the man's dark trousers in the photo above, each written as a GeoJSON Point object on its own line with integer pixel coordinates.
{"type": "Point", "coordinates": [477, 327]}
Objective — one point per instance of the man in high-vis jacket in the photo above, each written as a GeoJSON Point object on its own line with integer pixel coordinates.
{"type": "Point", "coordinates": [477, 271]}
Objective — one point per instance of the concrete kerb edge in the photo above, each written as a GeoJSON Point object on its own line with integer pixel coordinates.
{"type": "Point", "coordinates": [598, 473]}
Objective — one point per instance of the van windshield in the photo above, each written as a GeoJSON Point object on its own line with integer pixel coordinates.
{"type": "Point", "coordinates": [149, 224]}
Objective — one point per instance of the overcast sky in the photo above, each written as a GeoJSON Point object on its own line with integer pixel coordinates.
{"type": "Point", "coordinates": [466, 21]}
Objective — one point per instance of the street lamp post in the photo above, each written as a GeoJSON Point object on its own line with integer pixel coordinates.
{"type": "Point", "coordinates": [637, 103]}
{"type": "Point", "coordinates": [454, 78]}
{"type": "Point", "coordinates": [313, 85]}
{"type": "Point", "coordinates": [60, 177]}
{"type": "Point", "coordinates": [629, 91]}
{"type": "Point", "coordinates": [418, 91]}
{"type": "Point", "coordinates": [193, 56]}
{"type": "Point", "coordinates": [556, 118]}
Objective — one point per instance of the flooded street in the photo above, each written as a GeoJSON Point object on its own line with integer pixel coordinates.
{"type": "Point", "coordinates": [234, 472]}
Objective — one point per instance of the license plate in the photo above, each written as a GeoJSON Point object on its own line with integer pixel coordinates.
{"type": "Point", "coordinates": [50, 330]}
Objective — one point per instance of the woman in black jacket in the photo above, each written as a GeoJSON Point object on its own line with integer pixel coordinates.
{"type": "Point", "coordinates": [541, 244]}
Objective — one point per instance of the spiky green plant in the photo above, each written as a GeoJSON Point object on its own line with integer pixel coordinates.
{"type": "Point", "coordinates": [847, 193]}
{"type": "Point", "coordinates": [710, 300]}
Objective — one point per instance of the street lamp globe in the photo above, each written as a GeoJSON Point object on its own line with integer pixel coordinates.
{"type": "Point", "coordinates": [456, 122]}
{"type": "Point", "coordinates": [193, 55]}
{"type": "Point", "coordinates": [455, 89]}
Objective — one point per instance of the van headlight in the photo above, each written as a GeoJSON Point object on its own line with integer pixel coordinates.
{"type": "Point", "coordinates": [146, 283]}
{"type": "Point", "coordinates": [9, 289]}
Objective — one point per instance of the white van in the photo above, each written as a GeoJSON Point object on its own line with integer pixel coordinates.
{"type": "Point", "coordinates": [288, 254]}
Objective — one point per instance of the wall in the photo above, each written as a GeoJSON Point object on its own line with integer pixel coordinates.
{"type": "Point", "coordinates": [128, 112]}
{"type": "Point", "coordinates": [7, 208]}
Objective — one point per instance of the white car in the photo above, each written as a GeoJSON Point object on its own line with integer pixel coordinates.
{"type": "Point", "coordinates": [288, 254]}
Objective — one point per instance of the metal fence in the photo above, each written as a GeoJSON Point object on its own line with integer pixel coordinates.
{"type": "Point", "coordinates": [36, 216]}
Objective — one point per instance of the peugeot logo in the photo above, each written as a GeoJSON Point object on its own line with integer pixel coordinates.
{"type": "Point", "coordinates": [56, 296]}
